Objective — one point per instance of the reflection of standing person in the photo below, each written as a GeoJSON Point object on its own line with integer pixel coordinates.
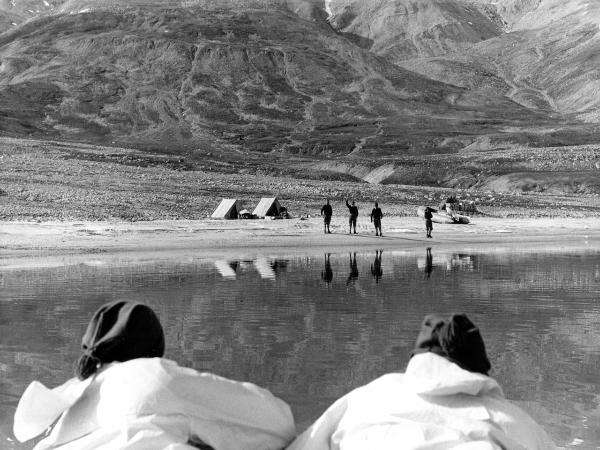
{"type": "Point", "coordinates": [428, 262]}
{"type": "Point", "coordinates": [376, 269]}
{"type": "Point", "coordinates": [353, 209]}
{"type": "Point", "coordinates": [326, 212]}
{"type": "Point", "coordinates": [376, 216]}
{"type": "Point", "coordinates": [353, 275]}
{"type": "Point", "coordinates": [428, 221]}
{"type": "Point", "coordinates": [327, 273]}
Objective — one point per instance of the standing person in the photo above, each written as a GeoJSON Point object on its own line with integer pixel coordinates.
{"type": "Point", "coordinates": [327, 212]}
{"type": "Point", "coordinates": [127, 396]}
{"type": "Point", "coordinates": [376, 216]}
{"type": "Point", "coordinates": [353, 209]}
{"type": "Point", "coordinates": [444, 400]}
{"type": "Point", "coordinates": [428, 222]}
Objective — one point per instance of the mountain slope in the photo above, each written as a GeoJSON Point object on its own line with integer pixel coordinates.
{"type": "Point", "coordinates": [259, 79]}
{"type": "Point", "coordinates": [403, 29]}
{"type": "Point", "coordinates": [552, 67]}
{"type": "Point", "coordinates": [15, 12]}
{"type": "Point", "coordinates": [541, 54]}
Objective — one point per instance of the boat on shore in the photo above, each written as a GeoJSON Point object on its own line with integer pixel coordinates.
{"type": "Point", "coordinates": [442, 216]}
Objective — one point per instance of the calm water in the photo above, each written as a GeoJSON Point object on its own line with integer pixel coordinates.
{"type": "Point", "coordinates": [312, 328]}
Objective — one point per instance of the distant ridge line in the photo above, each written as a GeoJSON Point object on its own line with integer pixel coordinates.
{"type": "Point", "coordinates": [80, 6]}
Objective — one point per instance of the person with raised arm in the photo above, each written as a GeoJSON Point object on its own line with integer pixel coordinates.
{"type": "Point", "coordinates": [353, 210]}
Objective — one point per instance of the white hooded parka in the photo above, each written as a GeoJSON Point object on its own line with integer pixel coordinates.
{"type": "Point", "coordinates": [152, 404]}
{"type": "Point", "coordinates": [434, 405]}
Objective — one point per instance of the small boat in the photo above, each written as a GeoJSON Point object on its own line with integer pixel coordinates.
{"type": "Point", "coordinates": [443, 216]}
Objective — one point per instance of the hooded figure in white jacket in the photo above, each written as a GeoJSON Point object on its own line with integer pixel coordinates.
{"type": "Point", "coordinates": [126, 396]}
{"type": "Point", "coordinates": [444, 400]}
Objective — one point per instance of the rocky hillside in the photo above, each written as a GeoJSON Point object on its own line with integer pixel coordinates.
{"type": "Point", "coordinates": [15, 12]}
{"type": "Point", "coordinates": [403, 29]}
{"type": "Point", "coordinates": [343, 83]}
{"type": "Point", "coordinates": [259, 79]}
{"type": "Point", "coordinates": [542, 54]}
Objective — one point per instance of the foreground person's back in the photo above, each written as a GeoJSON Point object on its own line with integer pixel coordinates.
{"type": "Point", "coordinates": [131, 398]}
{"type": "Point", "coordinates": [435, 404]}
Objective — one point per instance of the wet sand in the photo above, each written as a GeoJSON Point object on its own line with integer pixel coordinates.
{"type": "Point", "coordinates": [31, 241]}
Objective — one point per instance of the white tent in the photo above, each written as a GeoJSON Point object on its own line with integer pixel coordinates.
{"type": "Point", "coordinates": [227, 209]}
{"type": "Point", "coordinates": [268, 206]}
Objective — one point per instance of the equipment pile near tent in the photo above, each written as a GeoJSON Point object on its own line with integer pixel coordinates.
{"type": "Point", "coordinates": [439, 216]}
{"type": "Point", "coordinates": [245, 214]}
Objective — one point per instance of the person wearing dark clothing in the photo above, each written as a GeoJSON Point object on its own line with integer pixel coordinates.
{"type": "Point", "coordinates": [376, 216]}
{"type": "Point", "coordinates": [449, 202]}
{"type": "Point", "coordinates": [428, 222]}
{"type": "Point", "coordinates": [376, 269]}
{"type": "Point", "coordinates": [353, 209]}
{"type": "Point", "coordinates": [327, 273]}
{"type": "Point", "coordinates": [327, 212]}
{"type": "Point", "coordinates": [353, 275]}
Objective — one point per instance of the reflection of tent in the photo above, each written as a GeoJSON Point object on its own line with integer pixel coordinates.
{"type": "Point", "coordinates": [450, 261]}
{"type": "Point", "coordinates": [437, 260]}
{"type": "Point", "coordinates": [225, 269]}
{"type": "Point", "coordinates": [268, 206]}
{"type": "Point", "coordinates": [227, 209]}
{"type": "Point", "coordinates": [264, 269]}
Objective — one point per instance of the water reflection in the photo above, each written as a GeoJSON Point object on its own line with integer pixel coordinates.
{"type": "Point", "coordinates": [264, 268]}
{"type": "Point", "coordinates": [267, 268]}
{"type": "Point", "coordinates": [303, 333]}
{"type": "Point", "coordinates": [428, 263]}
{"type": "Point", "coordinates": [270, 268]}
{"type": "Point", "coordinates": [327, 272]}
{"type": "Point", "coordinates": [227, 269]}
{"type": "Point", "coordinates": [447, 261]}
{"type": "Point", "coordinates": [376, 269]}
{"type": "Point", "coordinates": [353, 275]}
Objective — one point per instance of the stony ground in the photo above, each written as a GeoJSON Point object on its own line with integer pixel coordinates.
{"type": "Point", "coordinates": [41, 181]}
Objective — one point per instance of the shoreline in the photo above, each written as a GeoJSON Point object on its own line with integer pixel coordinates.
{"type": "Point", "coordinates": [243, 238]}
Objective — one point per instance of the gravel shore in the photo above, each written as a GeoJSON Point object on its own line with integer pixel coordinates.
{"type": "Point", "coordinates": [213, 238]}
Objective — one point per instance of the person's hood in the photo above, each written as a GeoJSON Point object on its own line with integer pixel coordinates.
{"type": "Point", "coordinates": [431, 374]}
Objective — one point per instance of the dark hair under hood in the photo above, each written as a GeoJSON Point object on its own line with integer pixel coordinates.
{"type": "Point", "coordinates": [456, 339]}
{"type": "Point", "coordinates": [120, 331]}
